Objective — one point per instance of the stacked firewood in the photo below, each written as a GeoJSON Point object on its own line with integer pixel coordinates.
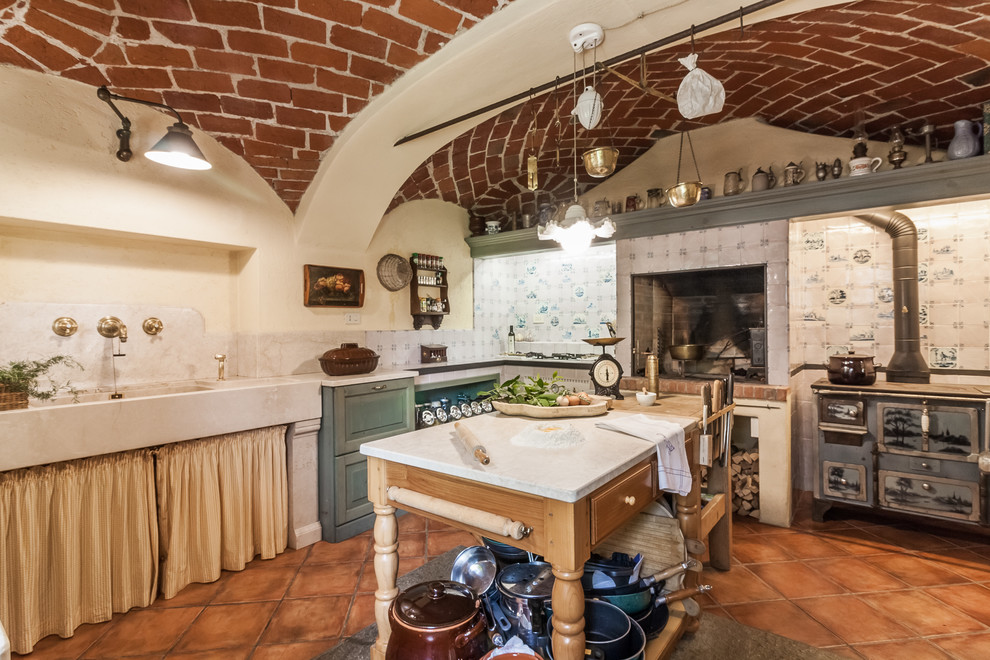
{"type": "Point", "coordinates": [746, 483]}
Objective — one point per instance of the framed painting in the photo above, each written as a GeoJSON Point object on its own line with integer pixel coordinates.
{"type": "Point", "coordinates": [329, 286]}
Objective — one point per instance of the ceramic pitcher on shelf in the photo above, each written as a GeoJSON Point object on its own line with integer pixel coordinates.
{"type": "Point", "coordinates": [733, 183]}
{"type": "Point", "coordinates": [763, 180]}
{"type": "Point", "coordinates": [793, 174]}
{"type": "Point", "coordinates": [965, 142]}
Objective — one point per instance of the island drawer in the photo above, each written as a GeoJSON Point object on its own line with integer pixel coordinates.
{"type": "Point", "coordinates": [617, 502]}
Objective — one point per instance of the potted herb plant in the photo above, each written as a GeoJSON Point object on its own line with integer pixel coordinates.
{"type": "Point", "coordinates": [20, 379]}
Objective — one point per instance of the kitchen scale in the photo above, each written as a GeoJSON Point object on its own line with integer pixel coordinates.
{"type": "Point", "coordinates": [606, 371]}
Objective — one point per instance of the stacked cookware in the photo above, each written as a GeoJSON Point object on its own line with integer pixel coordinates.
{"type": "Point", "coordinates": [510, 596]}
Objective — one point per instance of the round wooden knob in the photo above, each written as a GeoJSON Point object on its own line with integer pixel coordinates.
{"type": "Point", "coordinates": [630, 500]}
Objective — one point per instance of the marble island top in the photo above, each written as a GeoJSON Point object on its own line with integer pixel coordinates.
{"type": "Point", "coordinates": [566, 474]}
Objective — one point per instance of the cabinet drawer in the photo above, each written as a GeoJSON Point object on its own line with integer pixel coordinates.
{"type": "Point", "coordinates": [924, 467]}
{"type": "Point", "coordinates": [618, 501]}
{"type": "Point", "coordinates": [945, 498]}
{"type": "Point", "coordinates": [370, 411]}
{"type": "Point", "coordinates": [844, 480]}
{"type": "Point", "coordinates": [352, 488]}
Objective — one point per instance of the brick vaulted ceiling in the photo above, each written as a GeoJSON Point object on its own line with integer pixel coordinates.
{"type": "Point", "coordinates": [276, 81]}
{"type": "Point", "coordinates": [885, 62]}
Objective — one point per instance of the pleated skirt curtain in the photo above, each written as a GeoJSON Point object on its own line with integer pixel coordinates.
{"type": "Point", "coordinates": [221, 502]}
{"type": "Point", "coordinates": [78, 542]}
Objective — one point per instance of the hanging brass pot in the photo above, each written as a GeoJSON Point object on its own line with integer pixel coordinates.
{"type": "Point", "coordinates": [600, 161]}
{"type": "Point", "coordinates": [683, 194]}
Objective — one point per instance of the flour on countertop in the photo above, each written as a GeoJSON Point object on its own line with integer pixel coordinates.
{"type": "Point", "coordinates": [548, 435]}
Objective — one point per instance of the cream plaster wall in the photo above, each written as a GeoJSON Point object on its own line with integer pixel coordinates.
{"type": "Point", "coordinates": [214, 254]}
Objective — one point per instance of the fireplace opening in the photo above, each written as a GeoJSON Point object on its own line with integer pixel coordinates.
{"type": "Point", "coordinates": [722, 310]}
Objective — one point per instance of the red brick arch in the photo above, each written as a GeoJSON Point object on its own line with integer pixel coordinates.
{"type": "Point", "coordinates": [895, 62]}
{"type": "Point", "coordinates": [273, 80]}
{"type": "Point", "coordinates": [276, 81]}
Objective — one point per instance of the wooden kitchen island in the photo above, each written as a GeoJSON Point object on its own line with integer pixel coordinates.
{"type": "Point", "coordinates": [565, 499]}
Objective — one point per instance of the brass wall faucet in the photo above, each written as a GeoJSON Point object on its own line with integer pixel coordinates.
{"type": "Point", "coordinates": [112, 328]}
{"type": "Point", "coordinates": [222, 359]}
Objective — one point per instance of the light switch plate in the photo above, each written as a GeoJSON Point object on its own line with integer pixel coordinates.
{"type": "Point", "coordinates": [352, 318]}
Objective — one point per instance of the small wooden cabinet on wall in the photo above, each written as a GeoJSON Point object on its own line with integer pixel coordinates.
{"type": "Point", "coordinates": [904, 449]}
{"type": "Point", "coordinates": [352, 415]}
{"type": "Point", "coordinates": [428, 301]}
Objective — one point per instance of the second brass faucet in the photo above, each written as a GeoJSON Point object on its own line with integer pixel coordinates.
{"type": "Point", "coordinates": [222, 359]}
{"type": "Point", "coordinates": [112, 328]}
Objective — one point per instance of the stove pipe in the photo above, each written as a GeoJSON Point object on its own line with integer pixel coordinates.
{"type": "Point", "coordinates": [906, 365]}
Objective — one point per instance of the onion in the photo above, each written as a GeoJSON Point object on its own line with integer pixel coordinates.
{"type": "Point", "coordinates": [562, 400]}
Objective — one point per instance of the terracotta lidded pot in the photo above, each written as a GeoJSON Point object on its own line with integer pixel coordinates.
{"type": "Point", "coordinates": [437, 620]}
{"type": "Point", "coordinates": [348, 360]}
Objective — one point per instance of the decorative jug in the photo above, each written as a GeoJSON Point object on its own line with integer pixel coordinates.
{"type": "Point", "coordinates": [793, 174]}
{"type": "Point", "coordinates": [964, 143]}
{"type": "Point", "coordinates": [763, 180]}
{"type": "Point", "coordinates": [733, 183]}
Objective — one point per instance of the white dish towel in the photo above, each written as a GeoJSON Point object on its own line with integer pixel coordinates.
{"type": "Point", "coordinates": [674, 471]}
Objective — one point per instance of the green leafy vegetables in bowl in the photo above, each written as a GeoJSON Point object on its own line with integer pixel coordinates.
{"type": "Point", "coordinates": [535, 391]}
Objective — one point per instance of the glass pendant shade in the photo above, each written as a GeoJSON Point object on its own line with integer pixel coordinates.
{"type": "Point", "coordinates": [588, 108]}
{"type": "Point", "coordinates": [177, 149]}
{"type": "Point", "coordinates": [532, 181]}
{"type": "Point", "coordinates": [576, 232]}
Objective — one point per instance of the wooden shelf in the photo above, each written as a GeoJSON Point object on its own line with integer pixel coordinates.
{"type": "Point", "coordinates": [932, 183]}
{"type": "Point", "coordinates": [420, 318]}
{"type": "Point", "coordinates": [663, 646]}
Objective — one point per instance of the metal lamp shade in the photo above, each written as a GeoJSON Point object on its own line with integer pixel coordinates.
{"type": "Point", "coordinates": [600, 162]}
{"type": "Point", "coordinates": [177, 149]}
{"type": "Point", "coordinates": [684, 194]}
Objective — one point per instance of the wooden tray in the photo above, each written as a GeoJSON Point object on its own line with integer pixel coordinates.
{"type": "Point", "coordinates": [549, 412]}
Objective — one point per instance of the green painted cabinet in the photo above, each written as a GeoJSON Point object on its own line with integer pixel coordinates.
{"type": "Point", "coordinates": [353, 414]}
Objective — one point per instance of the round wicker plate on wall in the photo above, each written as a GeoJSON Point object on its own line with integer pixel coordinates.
{"type": "Point", "coordinates": [394, 272]}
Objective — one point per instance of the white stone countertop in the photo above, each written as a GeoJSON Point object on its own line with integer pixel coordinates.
{"type": "Point", "coordinates": [565, 474]}
{"type": "Point", "coordinates": [153, 414]}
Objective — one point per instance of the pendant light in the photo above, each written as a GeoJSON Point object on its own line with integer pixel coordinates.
{"type": "Point", "coordinates": [575, 232]}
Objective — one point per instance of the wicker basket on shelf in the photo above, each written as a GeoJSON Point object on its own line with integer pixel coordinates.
{"type": "Point", "coordinates": [12, 400]}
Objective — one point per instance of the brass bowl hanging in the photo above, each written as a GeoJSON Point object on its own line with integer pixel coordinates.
{"type": "Point", "coordinates": [601, 161]}
{"type": "Point", "coordinates": [684, 194]}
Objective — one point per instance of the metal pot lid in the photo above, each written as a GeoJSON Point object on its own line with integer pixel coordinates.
{"type": "Point", "coordinates": [436, 604]}
{"type": "Point", "coordinates": [853, 356]}
{"type": "Point", "coordinates": [526, 580]}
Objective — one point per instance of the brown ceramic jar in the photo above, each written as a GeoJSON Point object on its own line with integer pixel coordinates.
{"type": "Point", "coordinates": [348, 360]}
{"type": "Point", "coordinates": [438, 620]}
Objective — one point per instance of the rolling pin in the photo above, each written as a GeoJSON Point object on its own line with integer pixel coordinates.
{"type": "Point", "coordinates": [471, 442]}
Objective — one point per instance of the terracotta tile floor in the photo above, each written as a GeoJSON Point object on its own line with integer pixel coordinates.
{"type": "Point", "coordinates": [862, 588]}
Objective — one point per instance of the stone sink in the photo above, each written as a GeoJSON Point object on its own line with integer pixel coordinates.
{"type": "Point", "coordinates": [150, 415]}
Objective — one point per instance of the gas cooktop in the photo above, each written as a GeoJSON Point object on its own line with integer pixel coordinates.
{"type": "Point", "coordinates": [533, 355]}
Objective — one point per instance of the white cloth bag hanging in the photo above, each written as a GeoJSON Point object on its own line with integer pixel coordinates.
{"type": "Point", "coordinates": [699, 93]}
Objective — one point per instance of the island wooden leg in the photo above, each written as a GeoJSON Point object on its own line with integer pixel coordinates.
{"type": "Point", "coordinates": [386, 571]}
{"type": "Point", "coordinates": [386, 537]}
{"type": "Point", "coordinates": [568, 613]}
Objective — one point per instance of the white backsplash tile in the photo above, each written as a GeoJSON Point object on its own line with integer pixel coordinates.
{"type": "Point", "coordinates": [954, 289]}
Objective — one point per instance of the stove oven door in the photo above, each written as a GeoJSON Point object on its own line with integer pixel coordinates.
{"type": "Point", "coordinates": [941, 497]}
{"type": "Point", "coordinates": [845, 450]}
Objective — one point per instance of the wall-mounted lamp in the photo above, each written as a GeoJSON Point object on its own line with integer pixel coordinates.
{"type": "Point", "coordinates": [176, 149]}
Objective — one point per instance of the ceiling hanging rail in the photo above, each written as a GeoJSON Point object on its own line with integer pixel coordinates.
{"type": "Point", "coordinates": [735, 15]}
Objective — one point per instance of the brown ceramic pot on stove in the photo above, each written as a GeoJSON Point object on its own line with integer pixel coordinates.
{"type": "Point", "coordinates": [438, 620]}
{"type": "Point", "coordinates": [852, 369]}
